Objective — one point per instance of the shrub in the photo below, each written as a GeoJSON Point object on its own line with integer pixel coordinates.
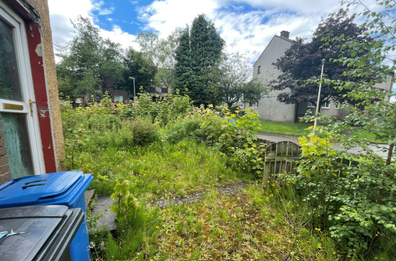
{"type": "Point", "coordinates": [143, 132]}
{"type": "Point", "coordinates": [184, 128]}
{"type": "Point", "coordinates": [344, 193]}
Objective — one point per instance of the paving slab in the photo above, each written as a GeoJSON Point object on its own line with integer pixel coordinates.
{"type": "Point", "coordinates": [107, 217]}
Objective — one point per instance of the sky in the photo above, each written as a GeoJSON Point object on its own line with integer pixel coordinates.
{"type": "Point", "coordinates": [247, 26]}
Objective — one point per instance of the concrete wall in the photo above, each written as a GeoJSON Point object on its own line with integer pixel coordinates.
{"type": "Point", "coordinates": [41, 6]}
{"type": "Point", "coordinates": [269, 107]}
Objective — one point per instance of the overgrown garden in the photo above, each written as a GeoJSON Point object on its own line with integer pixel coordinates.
{"type": "Point", "coordinates": [148, 151]}
{"type": "Point", "coordinates": [333, 206]}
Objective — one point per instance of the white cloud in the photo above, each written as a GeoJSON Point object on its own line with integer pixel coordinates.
{"type": "Point", "coordinates": [62, 12]}
{"type": "Point", "coordinates": [165, 16]}
{"type": "Point", "coordinates": [97, 6]}
{"type": "Point", "coordinates": [118, 36]}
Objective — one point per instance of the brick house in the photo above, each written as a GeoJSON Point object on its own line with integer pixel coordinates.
{"type": "Point", "coordinates": [269, 107]}
{"type": "Point", "coordinates": [31, 138]}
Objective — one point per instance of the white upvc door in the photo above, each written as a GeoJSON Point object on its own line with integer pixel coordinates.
{"type": "Point", "coordinates": [19, 121]}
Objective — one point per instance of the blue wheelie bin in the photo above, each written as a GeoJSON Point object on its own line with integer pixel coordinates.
{"type": "Point", "coordinates": [58, 188]}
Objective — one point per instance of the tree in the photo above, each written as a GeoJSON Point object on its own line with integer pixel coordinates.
{"type": "Point", "coordinates": [138, 66]}
{"type": "Point", "coordinates": [301, 64]}
{"type": "Point", "coordinates": [235, 81]}
{"type": "Point", "coordinates": [162, 52]}
{"type": "Point", "coordinates": [90, 64]}
{"type": "Point", "coordinates": [197, 61]}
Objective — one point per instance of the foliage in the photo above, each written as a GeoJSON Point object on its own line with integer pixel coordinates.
{"type": "Point", "coordinates": [162, 53]}
{"type": "Point", "coordinates": [235, 81]}
{"type": "Point", "coordinates": [343, 190]}
{"type": "Point", "coordinates": [143, 132]}
{"type": "Point", "coordinates": [197, 58]}
{"type": "Point", "coordinates": [371, 209]}
{"type": "Point", "coordinates": [139, 67]}
{"type": "Point", "coordinates": [89, 63]}
{"type": "Point", "coordinates": [178, 164]}
{"type": "Point", "coordinates": [301, 64]}
{"type": "Point", "coordinates": [125, 204]}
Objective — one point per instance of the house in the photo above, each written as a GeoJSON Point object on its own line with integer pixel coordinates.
{"type": "Point", "coordinates": [31, 138]}
{"type": "Point", "coordinates": [269, 107]}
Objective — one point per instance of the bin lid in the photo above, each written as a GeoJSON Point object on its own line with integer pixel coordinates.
{"type": "Point", "coordinates": [47, 231]}
{"type": "Point", "coordinates": [30, 189]}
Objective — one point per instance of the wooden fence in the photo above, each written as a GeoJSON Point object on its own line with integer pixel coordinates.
{"type": "Point", "coordinates": [280, 157]}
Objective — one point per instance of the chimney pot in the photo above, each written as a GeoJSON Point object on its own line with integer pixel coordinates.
{"type": "Point", "coordinates": [285, 34]}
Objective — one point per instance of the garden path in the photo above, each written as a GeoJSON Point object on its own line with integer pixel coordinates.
{"type": "Point", "coordinates": [107, 217]}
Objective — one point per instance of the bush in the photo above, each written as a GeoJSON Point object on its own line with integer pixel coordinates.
{"type": "Point", "coordinates": [352, 198]}
{"type": "Point", "coordinates": [144, 132]}
{"type": "Point", "coordinates": [184, 128]}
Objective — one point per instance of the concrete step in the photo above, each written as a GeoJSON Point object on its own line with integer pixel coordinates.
{"type": "Point", "coordinates": [107, 218]}
{"type": "Point", "coordinates": [89, 196]}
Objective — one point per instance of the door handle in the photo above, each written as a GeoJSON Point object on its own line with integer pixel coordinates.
{"type": "Point", "coordinates": [31, 107]}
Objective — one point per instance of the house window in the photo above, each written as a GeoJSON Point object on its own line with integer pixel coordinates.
{"type": "Point", "coordinates": [259, 69]}
{"type": "Point", "coordinates": [118, 98]}
{"type": "Point", "coordinates": [19, 121]}
{"type": "Point", "coordinates": [326, 105]}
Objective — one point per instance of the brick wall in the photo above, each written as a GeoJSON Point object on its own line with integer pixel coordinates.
{"type": "Point", "coordinates": [4, 167]}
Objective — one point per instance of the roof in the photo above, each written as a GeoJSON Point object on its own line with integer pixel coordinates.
{"type": "Point", "coordinates": [275, 36]}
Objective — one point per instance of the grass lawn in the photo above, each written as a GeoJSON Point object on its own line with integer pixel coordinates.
{"type": "Point", "coordinates": [298, 129]}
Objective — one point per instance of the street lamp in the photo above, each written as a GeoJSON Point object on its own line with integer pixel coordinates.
{"type": "Point", "coordinates": [134, 89]}
{"type": "Point", "coordinates": [317, 101]}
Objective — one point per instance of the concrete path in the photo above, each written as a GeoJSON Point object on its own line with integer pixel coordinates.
{"type": "Point", "coordinates": [107, 217]}
{"type": "Point", "coordinates": [377, 148]}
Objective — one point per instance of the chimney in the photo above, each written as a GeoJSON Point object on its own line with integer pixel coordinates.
{"type": "Point", "coordinates": [285, 34]}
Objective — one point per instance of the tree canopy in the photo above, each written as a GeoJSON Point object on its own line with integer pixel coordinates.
{"type": "Point", "coordinates": [235, 81]}
{"type": "Point", "coordinates": [90, 64]}
{"type": "Point", "coordinates": [197, 60]}
{"type": "Point", "coordinates": [137, 66]}
{"type": "Point", "coordinates": [162, 53]}
{"type": "Point", "coordinates": [301, 64]}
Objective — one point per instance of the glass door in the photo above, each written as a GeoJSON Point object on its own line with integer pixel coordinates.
{"type": "Point", "coordinates": [19, 123]}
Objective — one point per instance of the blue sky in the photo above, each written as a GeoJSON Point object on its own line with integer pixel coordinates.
{"type": "Point", "coordinates": [247, 26]}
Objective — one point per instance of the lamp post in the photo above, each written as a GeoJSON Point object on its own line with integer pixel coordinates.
{"type": "Point", "coordinates": [134, 89]}
{"type": "Point", "coordinates": [318, 100]}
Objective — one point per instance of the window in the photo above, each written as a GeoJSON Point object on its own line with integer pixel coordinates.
{"type": "Point", "coordinates": [259, 69]}
{"type": "Point", "coordinates": [118, 98]}
{"type": "Point", "coordinates": [326, 105]}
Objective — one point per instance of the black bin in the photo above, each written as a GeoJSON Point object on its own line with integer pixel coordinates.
{"type": "Point", "coordinates": [47, 232]}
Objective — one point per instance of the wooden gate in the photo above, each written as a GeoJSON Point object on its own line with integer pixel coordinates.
{"type": "Point", "coordinates": [280, 157]}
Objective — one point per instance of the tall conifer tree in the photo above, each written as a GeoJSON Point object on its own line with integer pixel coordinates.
{"type": "Point", "coordinates": [198, 57]}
